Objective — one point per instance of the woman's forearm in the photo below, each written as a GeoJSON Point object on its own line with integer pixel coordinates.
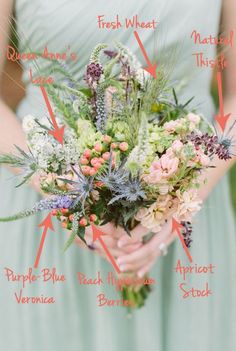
{"type": "Point", "coordinates": [11, 132]}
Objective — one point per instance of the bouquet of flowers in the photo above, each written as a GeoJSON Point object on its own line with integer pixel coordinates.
{"type": "Point", "coordinates": [131, 153]}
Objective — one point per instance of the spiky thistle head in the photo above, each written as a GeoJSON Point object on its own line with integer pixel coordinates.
{"type": "Point", "coordinates": [130, 190]}
{"type": "Point", "coordinates": [112, 177]}
{"type": "Point", "coordinates": [80, 188]}
{"type": "Point", "coordinates": [25, 161]}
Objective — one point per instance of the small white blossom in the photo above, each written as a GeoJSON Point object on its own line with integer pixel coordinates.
{"type": "Point", "coordinates": [28, 123]}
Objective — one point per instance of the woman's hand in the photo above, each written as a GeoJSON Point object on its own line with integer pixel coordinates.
{"type": "Point", "coordinates": [141, 260]}
{"type": "Point", "coordinates": [113, 234]}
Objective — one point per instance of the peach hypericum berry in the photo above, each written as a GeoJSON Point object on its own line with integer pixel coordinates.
{"type": "Point", "coordinates": [92, 172]}
{"type": "Point", "coordinates": [98, 147]}
{"type": "Point", "coordinates": [93, 217]}
{"type": "Point", "coordinates": [87, 153]}
{"type": "Point", "coordinates": [106, 156]}
{"type": "Point", "coordinates": [71, 217]}
{"type": "Point", "coordinates": [106, 139]}
{"type": "Point", "coordinates": [86, 170]}
{"type": "Point", "coordinates": [101, 160]}
{"type": "Point", "coordinates": [113, 145]}
{"type": "Point", "coordinates": [94, 161]}
{"type": "Point", "coordinates": [123, 146]}
{"type": "Point", "coordinates": [64, 224]}
{"type": "Point", "coordinates": [84, 161]}
{"type": "Point", "coordinates": [83, 222]}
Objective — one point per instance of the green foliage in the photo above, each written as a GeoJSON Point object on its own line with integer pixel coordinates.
{"type": "Point", "coordinates": [65, 109]}
{"type": "Point", "coordinates": [74, 231]}
{"type": "Point", "coordinates": [156, 88]}
{"type": "Point", "coordinates": [19, 215]}
{"type": "Point", "coordinates": [26, 162]}
{"type": "Point", "coordinates": [81, 234]}
{"type": "Point", "coordinates": [108, 68]}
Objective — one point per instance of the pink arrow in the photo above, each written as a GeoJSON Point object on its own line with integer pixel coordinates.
{"type": "Point", "coordinates": [47, 223]}
{"type": "Point", "coordinates": [176, 227]}
{"type": "Point", "coordinates": [151, 68]}
{"type": "Point", "coordinates": [97, 234]}
{"type": "Point", "coordinates": [57, 133]}
{"type": "Point", "coordinates": [221, 118]}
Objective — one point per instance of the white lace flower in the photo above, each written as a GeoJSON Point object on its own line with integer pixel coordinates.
{"type": "Point", "coordinates": [28, 123]}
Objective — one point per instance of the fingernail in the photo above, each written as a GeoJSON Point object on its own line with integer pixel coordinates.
{"type": "Point", "coordinates": [119, 243]}
{"type": "Point", "coordinates": [122, 268]}
{"type": "Point", "coordinates": [140, 274]}
{"type": "Point", "coordinates": [119, 261]}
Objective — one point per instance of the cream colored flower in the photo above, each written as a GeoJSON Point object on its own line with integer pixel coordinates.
{"type": "Point", "coordinates": [189, 204]}
{"type": "Point", "coordinates": [155, 216]}
{"type": "Point", "coordinates": [47, 179]}
{"type": "Point", "coordinates": [28, 123]}
{"type": "Point", "coordinates": [192, 117]}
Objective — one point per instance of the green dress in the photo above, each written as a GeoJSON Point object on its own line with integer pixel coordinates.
{"type": "Point", "coordinates": [75, 322]}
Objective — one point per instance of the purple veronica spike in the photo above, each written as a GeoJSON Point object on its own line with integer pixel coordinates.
{"type": "Point", "coordinates": [54, 203]}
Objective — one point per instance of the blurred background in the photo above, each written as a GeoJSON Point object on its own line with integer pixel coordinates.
{"type": "Point", "coordinates": [13, 92]}
{"type": "Point", "coordinates": [233, 170]}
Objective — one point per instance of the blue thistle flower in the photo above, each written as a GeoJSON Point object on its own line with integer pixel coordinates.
{"type": "Point", "coordinates": [25, 161]}
{"type": "Point", "coordinates": [131, 191]}
{"type": "Point", "coordinates": [113, 177]}
{"type": "Point", "coordinates": [81, 188]}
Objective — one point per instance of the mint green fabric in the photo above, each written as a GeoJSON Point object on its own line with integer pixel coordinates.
{"type": "Point", "coordinates": [75, 322]}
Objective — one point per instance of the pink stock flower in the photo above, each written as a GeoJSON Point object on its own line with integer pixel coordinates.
{"type": "Point", "coordinates": [200, 158]}
{"type": "Point", "coordinates": [192, 117]}
{"type": "Point", "coordinates": [204, 160]}
{"type": "Point", "coordinates": [161, 169]}
{"type": "Point", "coordinates": [177, 146]}
{"type": "Point", "coordinates": [171, 126]}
